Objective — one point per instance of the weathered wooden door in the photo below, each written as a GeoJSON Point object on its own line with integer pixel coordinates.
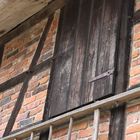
{"type": "Point", "coordinates": [85, 54]}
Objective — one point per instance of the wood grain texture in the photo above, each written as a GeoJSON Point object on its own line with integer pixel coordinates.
{"type": "Point", "coordinates": [86, 47]}
{"type": "Point", "coordinates": [96, 123]}
{"type": "Point", "coordinates": [107, 48]}
{"type": "Point", "coordinates": [13, 12]}
{"type": "Point", "coordinates": [63, 63]}
{"type": "Point", "coordinates": [91, 52]}
{"type": "Point", "coordinates": [34, 19]}
{"type": "Point", "coordinates": [80, 46]}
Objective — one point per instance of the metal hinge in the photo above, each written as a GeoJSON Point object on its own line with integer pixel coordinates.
{"type": "Point", "coordinates": [103, 75]}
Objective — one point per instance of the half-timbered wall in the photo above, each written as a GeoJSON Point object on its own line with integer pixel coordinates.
{"type": "Point", "coordinates": [16, 59]}
{"type": "Point", "coordinates": [18, 54]}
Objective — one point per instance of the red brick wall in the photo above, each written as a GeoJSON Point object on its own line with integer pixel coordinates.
{"type": "Point", "coordinates": [83, 129]}
{"type": "Point", "coordinates": [18, 54]}
{"type": "Point", "coordinates": [17, 57]}
{"type": "Point", "coordinates": [133, 112]}
{"type": "Point", "coordinates": [135, 57]}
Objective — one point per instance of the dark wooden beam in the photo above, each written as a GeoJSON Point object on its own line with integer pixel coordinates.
{"type": "Point", "coordinates": [42, 14]}
{"type": "Point", "coordinates": [12, 82]}
{"type": "Point", "coordinates": [20, 78]}
{"type": "Point", "coordinates": [1, 53]}
{"type": "Point", "coordinates": [27, 78]}
{"type": "Point", "coordinates": [117, 123]}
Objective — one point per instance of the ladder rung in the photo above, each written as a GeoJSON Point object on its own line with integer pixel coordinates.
{"type": "Point", "coordinates": [32, 136]}
{"type": "Point", "coordinates": [50, 132]}
{"type": "Point", "coordinates": [70, 128]}
{"type": "Point", "coordinates": [96, 124]}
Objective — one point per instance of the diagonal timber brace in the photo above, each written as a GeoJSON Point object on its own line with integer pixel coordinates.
{"type": "Point", "coordinates": [27, 78]}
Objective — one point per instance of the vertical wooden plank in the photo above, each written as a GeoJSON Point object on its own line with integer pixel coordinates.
{"type": "Point", "coordinates": [80, 46]}
{"type": "Point", "coordinates": [50, 132]}
{"type": "Point", "coordinates": [96, 124]}
{"type": "Point", "coordinates": [91, 51]}
{"type": "Point", "coordinates": [62, 64]}
{"type": "Point", "coordinates": [32, 136]}
{"type": "Point", "coordinates": [70, 129]}
{"type": "Point", "coordinates": [117, 123]}
{"type": "Point", "coordinates": [101, 51]}
{"type": "Point", "coordinates": [107, 48]}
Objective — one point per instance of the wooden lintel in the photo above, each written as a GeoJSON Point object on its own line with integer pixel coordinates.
{"type": "Point", "coordinates": [42, 14]}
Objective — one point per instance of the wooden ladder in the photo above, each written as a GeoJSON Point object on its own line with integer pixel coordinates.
{"type": "Point", "coordinates": [71, 120]}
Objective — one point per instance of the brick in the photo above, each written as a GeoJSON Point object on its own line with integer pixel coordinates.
{"type": "Point", "coordinates": [132, 109]}
{"type": "Point", "coordinates": [44, 80]}
{"type": "Point", "coordinates": [63, 138]}
{"type": "Point", "coordinates": [131, 137]}
{"type": "Point", "coordinates": [28, 95]}
{"type": "Point", "coordinates": [104, 127]}
{"type": "Point", "coordinates": [74, 136]}
{"type": "Point", "coordinates": [41, 95]}
{"type": "Point", "coordinates": [133, 129]}
{"type": "Point", "coordinates": [135, 53]}
{"type": "Point", "coordinates": [134, 80]}
{"type": "Point", "coordinates": [29, 100]}
{"type": "Point", "coordinates": [36, 110]}
{"type": "Point", "coordinates": [132, 118]}
{"type": "Point", "coordinates": [3, 126]}
{"type": "Point", "coordinates": [9, 105]}
{"type": "Point", "coordinates": [135, 71]}
{"type": "Point", "coordinates": [137, 28]}
{"type": "Point", "coordinates": [80, 126]}
{"type": "Point", "coordinates": [60, 133]}
{"type": "Point", "coordinates": [38, 116]}
{"type": "Point", "coordinates": [23, 110]}
{"type": "Point", "coordinates": [5, 119]}
{"type": "Point", "coordinates": [1, 133]}
{"type": "Point", "coordinates": [105, 117]}
{"type": "Point", "coordinates": [85, 133]}
{"type": "Point", "coordinates": [137, 44]}
{"type": "Point", "coordinates": [103, 137]}
{"type": "Point", "coordinates": [136, 36]}
{"type": "Point", "coordinates": [14, 96]}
